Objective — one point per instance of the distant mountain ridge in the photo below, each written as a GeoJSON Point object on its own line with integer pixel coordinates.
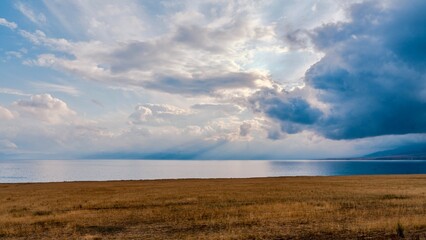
{"type": "Point", "coordinates": [406, 152]}
{"type": "Point", "coordinates": [411, 151]}
{"type": "Point", "coordinates": [138, 155]}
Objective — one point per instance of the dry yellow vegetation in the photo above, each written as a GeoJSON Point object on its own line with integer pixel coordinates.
{"type": "Point", "coordinates": [359, 207]}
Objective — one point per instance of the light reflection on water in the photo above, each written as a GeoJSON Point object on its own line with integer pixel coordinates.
{"type": "Point", "coordinates": [97, 170]}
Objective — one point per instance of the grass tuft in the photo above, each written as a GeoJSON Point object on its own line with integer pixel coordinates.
{"type": "Point", "coordinates": [41, 213]}
{"type": "Point", "coordinates": [400, 230]}
{"type": "Point", "coordinates": [394, 196]}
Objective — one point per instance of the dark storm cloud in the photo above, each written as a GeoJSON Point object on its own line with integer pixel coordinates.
{"type": "Point", "coordinates": [294, 113]}
{"type": "Point", "coordinates": [295, 110]}
{"type": "Point", "coordinates": [372, 77]}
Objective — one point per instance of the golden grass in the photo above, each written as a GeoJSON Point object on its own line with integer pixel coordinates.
{"type": "Point", "coordinates": [361, 207]}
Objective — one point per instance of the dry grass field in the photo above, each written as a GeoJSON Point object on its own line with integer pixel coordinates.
{"type": "Point", "coordinates": [361, 207]}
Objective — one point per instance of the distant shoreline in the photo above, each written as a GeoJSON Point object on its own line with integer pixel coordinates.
{"type": "Point", "coordinates": [214, 179]}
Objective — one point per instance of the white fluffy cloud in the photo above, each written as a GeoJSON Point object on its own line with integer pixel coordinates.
{"type": "Point", "coordinates": [8, 24]}
{"type": "Point", "coordinates": [162, 114]}
{"type": "Point", "coordinates": [45, 108]}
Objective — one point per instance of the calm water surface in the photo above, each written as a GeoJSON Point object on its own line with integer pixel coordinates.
{"type": "Point", "coordinates": [97, 170]}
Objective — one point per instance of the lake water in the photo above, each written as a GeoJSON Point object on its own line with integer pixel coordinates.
{"type": "Point", "coordinates": [96, 170]}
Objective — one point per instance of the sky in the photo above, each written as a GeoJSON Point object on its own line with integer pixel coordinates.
{"type": "Point", "coordinates": [211, 79]}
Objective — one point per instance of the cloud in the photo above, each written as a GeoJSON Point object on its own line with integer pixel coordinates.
{"type": "Point", "coordinates": [103, 20]}
{"type": "Point", "coordinates": [30, 14]}
{"type": "Point", "coordinates": [11, 91]}
{"type": "Point", "coordinates": [13, 54]}
{"type": "Point", "coordinates": [204, 85]}
{"type": "Point", "coordinates": [224, 108]}
{"type": "Point", "coordinates": [39, 38]}
{"type": "Point", "coordinates": [206, 122]}
{"type": "Point", "coordinates": [51, 87]}
{"type": "Point", "coordinates": [245, 129]}
{"type": "Point", "coordinates": [45, 108]}
{"type": "Point", "coordinates": [295, 110]}
{"type": "Point", "coordinates": [200, 58]}
{"type": "Point", "coordinates": [220, 38]}
{"type": "Point", "coordinates": [160, 65]}
{"type": "Point", "coordinates": [156, 114]}
{"type": "Point", "coordinates": [8, 24]}
{"type": "Point", "coordinates": [293, 113]}
{"type": "Point", "coordinates": [371, 78]}
{"type": "Point", "coordinates": [6, 145]}
{"type": "Point", "coordinates": [5, 114]}
{"type": "Point", "coordinates": [97, 103]}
